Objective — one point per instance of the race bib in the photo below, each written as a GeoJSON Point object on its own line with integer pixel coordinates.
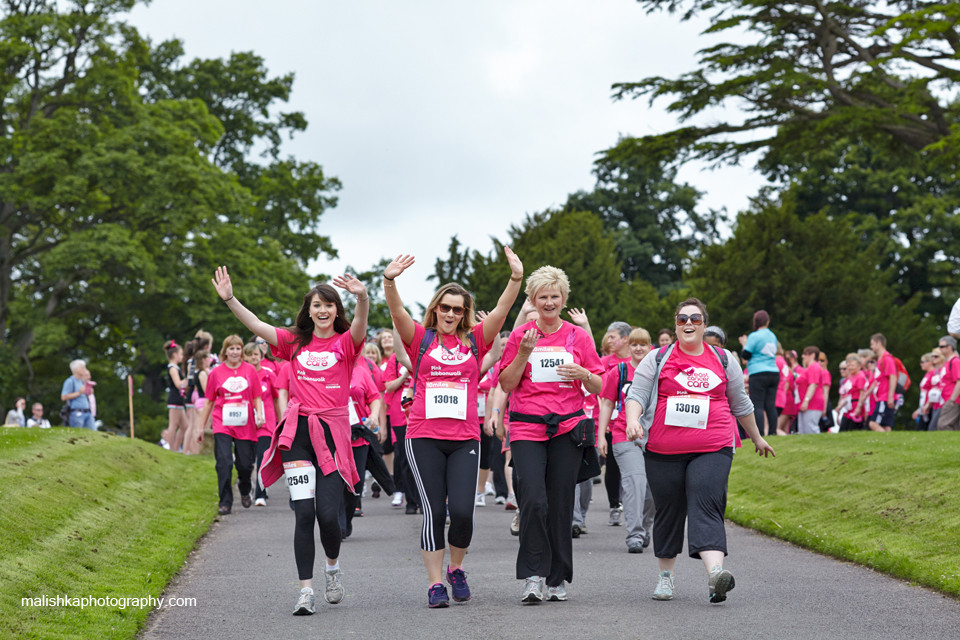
{"type": "Point", "coordinates": [481, 405]}
{"type": "Point", "coordinates": [544, 362]}
{"type": "Point", "coordinates": [235, 414]}
{"type": "Point", "coordinates": [689, 412]}
{"type": "Point", "coordinates": [935, 395]}
{"type": "Point", "coordinates": [446, 400]}
{"type": "Point", "coordinates": [352, 413]}
{"type": "Point", "coordinates": [301, 478]}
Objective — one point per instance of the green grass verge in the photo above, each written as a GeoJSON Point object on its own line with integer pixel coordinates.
{"type": "Point", "coordinates": [890, 501]}
{"type": "Point", "coordinates": [89, 514]}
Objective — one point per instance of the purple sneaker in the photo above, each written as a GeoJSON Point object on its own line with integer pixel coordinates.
{"type": "Point", "coordinates": [437, 597]}
{"type": "Point", "coordinates": [458, 584]}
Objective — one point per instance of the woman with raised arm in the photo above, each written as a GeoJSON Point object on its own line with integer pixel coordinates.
{"type": "Point", "coordinates": [313, 436]}
{"type": "Point", "coordinates": [547, 363]}
{"type": "Point", "coordinates": [687, 398]}
{"type": "Point", "coordinates": [443, 431]}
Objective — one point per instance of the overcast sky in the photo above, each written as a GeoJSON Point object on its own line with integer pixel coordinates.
{"type": "Point", "coordinates": [444, 117]}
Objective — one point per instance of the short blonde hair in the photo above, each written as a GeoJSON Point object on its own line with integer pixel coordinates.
{"type": "Point", "coordinates": [547, 276]}
{"type": "Point", "coordinates": [229, 341]}
{"type": "Point", "coordinates": [640, 336]}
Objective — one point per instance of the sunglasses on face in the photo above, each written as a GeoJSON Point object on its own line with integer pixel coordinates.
{"type": "Point", "coordinates": [694, 318]}
{"type": "Point", "coordinates": [942, 346]}
{"type": "Point", "coordinates": [445, 308]}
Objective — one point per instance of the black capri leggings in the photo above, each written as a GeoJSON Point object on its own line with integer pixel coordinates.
{"type": "Point", "coordinates": [445, 472]}
{"type": "Point", "coordinates": [324, 508]}
{"type": "Point", "coordinates": [763, 395]}
{"type": "Point", "coordinates": [689, 487]}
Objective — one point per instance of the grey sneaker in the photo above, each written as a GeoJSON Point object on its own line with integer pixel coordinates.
{"type": "Point", "coordinates": [333, 591]}
{"type": "Point", "coordinates": [515, 525]}
{"type": "Point", "coordinates": [305, 603]}
{"type": "Point", "coordinates": [664, 590]}
{"type": "Point", "coordinates": [614, 517]}
{"type": "Point", "coordinates": [635, 546]}
{"type": "Point", "coordinates": [557, 593]}
{"type": "Point", "coordinates": [532, 590]}
{"type": "Point", "coordinates": [721, 581]}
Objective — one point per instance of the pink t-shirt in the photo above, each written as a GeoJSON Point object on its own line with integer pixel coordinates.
{"type": "Point", "coordinates": [935, 396]}
{"type": "Point", "coordinates": [925, 385]}
{"type": "Point", "coordinates": [234, 391]}
{"type": "Point", "coordinates": [445, 404]}
{"type": "Point", "coordinates": [283, 377]}
{"type": "Point", "coordinates": [784, 384]}
{"type": "Point", "coordinates": [392, 369]}
{"type": "Point", "coordinates": [268, 388]}
{"type": "Point", "coordinates": [951, 375]}
{"type": "Point", "coordinates": [363, 392]}
{"type": "Point", "coordinates": [886, 367]}
{"type": "Point", "coordinates": [692, 413]}
{"type": "Point", "coordinates": [827, 382]}
{"type": "Point", "coordinates": [540, 391]}
{"type": "Point", "coordinates": [611, 360]}
{"type": "Point", "coordinates": [857, 384]}
{"type": "Point", "coordinates": [320, 372]}
{"type": "Point", "coordinates": [487, 383]}
{"type": "Point", "coordinates": [610, 391]}
{"type": "Point", "coordinates": [812, 375]}
{"type": "Point", "coordinates": [273, 365]}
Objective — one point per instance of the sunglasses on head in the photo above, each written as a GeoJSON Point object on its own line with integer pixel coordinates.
{"type": "Point", "coordinates": [694, 318]}
{"type": "Point", "coordinates": [445, 308]}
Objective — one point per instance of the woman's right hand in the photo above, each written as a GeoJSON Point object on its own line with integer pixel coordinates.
{"type": "Point", "coordinates": [528, 342]}
{"type": "Point", "coordinates": [398, 266]}
{"type": "Point", "coordinates": [221, 280]}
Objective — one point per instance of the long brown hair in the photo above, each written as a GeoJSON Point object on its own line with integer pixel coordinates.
{"type": "Point", "coordinates": [466, 321]}
{"type": "Point", "coordinates": [303, 326]}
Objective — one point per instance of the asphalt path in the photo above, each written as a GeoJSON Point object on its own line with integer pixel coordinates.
{"type": "Point", "coordinates": [244, 580]}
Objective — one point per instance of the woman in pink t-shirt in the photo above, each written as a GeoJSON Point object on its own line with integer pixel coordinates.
{"type": "Point", "coordinates": [546, 365]}
{"type": "Point", "coordinates": [313, 436]}
{"type": "Point", "coordinates": [233, 399]}
{"type": "Point", "coordinates": [443, 431]}
{"type": "Point", "coordinates": [688, 402]}
{"type": "Point", "coordinates": [364, 412]}
{"type": "Point", "coordinates": [268, 386]}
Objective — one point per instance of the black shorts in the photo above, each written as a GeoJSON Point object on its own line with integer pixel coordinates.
{"type": "Point", "coordinates": [883, 417]}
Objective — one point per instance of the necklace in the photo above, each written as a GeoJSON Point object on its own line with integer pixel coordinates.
{"type": "Point", "coordinates": [545, 332]}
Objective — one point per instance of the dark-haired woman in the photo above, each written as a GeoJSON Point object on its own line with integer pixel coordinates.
{"type": "Point", "coordinates": [176, 385]}
{"type": "Point", "coordinates": [443, 431]}
{"type": "Point", "coordinates": [313, 436]}
{"type": "Point", "coordinates": [760, 354]}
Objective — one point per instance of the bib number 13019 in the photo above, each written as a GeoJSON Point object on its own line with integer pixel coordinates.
{"type": "Point", "coordinates": [690, 412]}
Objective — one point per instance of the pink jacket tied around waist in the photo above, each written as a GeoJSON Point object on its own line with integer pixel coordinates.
{"type": "Point", "coordinates": [337, 421]}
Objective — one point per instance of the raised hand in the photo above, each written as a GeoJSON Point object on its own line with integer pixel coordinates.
{"type": "Point", "coordinates": [578, 316]}
{"type": "Point", "coordinates": [351, 284]}
{"type": "Point", "coordinates": [398, 266]}
{"type": "Point", "coordinates": [481, 316]}
{"type": "Point", "coordinates": [528, 342]}
{"type": "Point", "coordinates": [516, 267]}
{"type": "Point", "coordinates": [221, 281]}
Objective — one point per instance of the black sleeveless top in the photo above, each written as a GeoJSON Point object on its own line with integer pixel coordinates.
{"type": "Point", "coordinates": [174, 397]}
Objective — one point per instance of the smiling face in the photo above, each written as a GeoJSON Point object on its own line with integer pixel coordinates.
{"type": "Point", "coordinates": [386, 340]}
{"type": "Point", "coordinates": [688, 334]}
{"type": "Point", "coordinates": [449, 312]}
{"type": "Point", "coordinates": [549, 302]}
{"type": "Point", "coordinates": [233, 353]}
{"type": "Point", "coordinates": [323, 314]}
{"type": "Point", "coordinates": [639, 351]}
{"type": "Point", "coordinates": [253, 358]}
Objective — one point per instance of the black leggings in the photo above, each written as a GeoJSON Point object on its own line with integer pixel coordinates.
{"type": "Point", "coordinates": [689, 487]}
{"type": "Point", "coordinates": [228, 451]}
{"type": "Point", "coordinates": [323, 509]}
{"type": "Point", "coordinates": [763, 395]}
{"type": "Point", "coordinates": [263, 443]}
{"type": "Point", "coordinates": [402, 474]}
{"type": "Point", "coordinates": [351, 499]}
{"type": "Point", "coordinates": [611, 479]}
{"type": "Point", "coordinates": [445, 472]}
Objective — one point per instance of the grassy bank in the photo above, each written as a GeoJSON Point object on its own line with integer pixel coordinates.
{"type": "Point", "coordinates": [88, 514]}
{"type": "Point", "coordinates": [890, 501]}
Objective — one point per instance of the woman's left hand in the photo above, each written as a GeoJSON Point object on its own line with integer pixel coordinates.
{"type": "Point", "coordinates": [351, 284]}
{"type": "Point", "coordinates": [578, 316]}
{"type": "Point", "coordinates": [763, 448]}
{"type": "Point", "coordinates": [572, 372]}
{"type": "Point", "coordinates": [743, 341]}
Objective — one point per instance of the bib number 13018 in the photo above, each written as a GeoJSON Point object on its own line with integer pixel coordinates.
{"type": "Point", "coordinates": [446, 400]}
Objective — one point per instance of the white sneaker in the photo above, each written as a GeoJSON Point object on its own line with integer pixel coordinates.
{"type": "Point", "coordinates": [515, 525]}
{"type": "Point", "coordinates": [397, 499]}
{"type": "Point", "coordinates": [557, 593]}
{"type": "Point", "coordinates": [481, 500]}
{"type": "Point", "coordinates": [260, 502]}
{"type": "Point", "coordinates": [333, 587]}
{"type": "Point", "coordinates": [305, 604]}
{"type": "Point", "coordinates": [489, 490]}
{"type": "Point", "coordinates": [501, 500]}
{"type": "Point", "coordinates": [664, 590]}
{"type": "Point", "coordinates": [532, 590]}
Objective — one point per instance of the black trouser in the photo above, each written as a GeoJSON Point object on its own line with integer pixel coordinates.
{"type": "Point", "coordinates": [498, 461]}
{"type": "Point", "coordinates": [689, 487]}
{"type": "Point", "coordinates": [351, 499]}
{"type": "Point", "coordinates": [445, 472]}
{"type": "Point", "coordinates": [846, 424]}
{"type": "Point", "coordinates": [378, 469]}
{"type": "Point", "coordinates": [611, 479]}
{"type": "Point", "coordinates": [548, 472]}
{"type": "Point", "coordinates": [224, 447]}
{"type": "Point", "coordinates": [763, 394]}
{"type": "Point", "coordinates": [324, 509]}
{"type": "Point", "coordinates": [263, 443]}
{"type": "Point", "coordinates": [402, 474]}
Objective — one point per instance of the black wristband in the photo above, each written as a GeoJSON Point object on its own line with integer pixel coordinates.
{"type": "Point", "coordinates": [386, 278]}
{"type": "Point", "coordinates": [228, 299]}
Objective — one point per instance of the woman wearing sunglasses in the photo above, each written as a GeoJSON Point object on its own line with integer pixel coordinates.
{"type": "Point", "coordinates": [687, 399]}
{"type": "Point", "coordinates": [546, 365]}
{"type": "Point", "coordinates": [443, 431]}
